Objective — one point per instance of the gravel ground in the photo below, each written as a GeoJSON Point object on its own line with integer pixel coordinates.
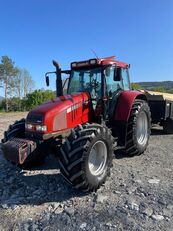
{"type": "Point", "coordinates": [137, 196]}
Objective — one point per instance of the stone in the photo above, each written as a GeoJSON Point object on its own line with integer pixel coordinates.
{"type": "Point", "coordinates": [83, 225]}
{"type": "Point", "coordinates": [167, 212]}
{"type": "Point", "coordinates": [162, 201]}
{"type": "Point", "coordinates": [4, 206]}
{"type": "Point", "coordinates": [131, 189]}
{"type": "Point", "coordinates": [133, 205]}
{"type": "Point", "coordinates": [101, 198]}
{"type": "Point", "coordinates": [116, 192]}
{"type": "Point", "coordinates": [154, 181]}
{"type": "Point", "coordinates": [148, 212]}
{"type": "Point", "coordinates": [70, 211]}
{"type": "Point", "coordinates": [26, 227]}
{"type": "Point", "coordinates": [157, 217]}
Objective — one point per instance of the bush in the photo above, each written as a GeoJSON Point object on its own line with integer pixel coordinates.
{"type": "Point", "coordinates": [36, 98]}
{"type": "Point", "coordinates": [32, 100]}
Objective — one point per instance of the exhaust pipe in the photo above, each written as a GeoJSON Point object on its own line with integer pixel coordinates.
{"type": "Point", "coordinates": [59, 89]}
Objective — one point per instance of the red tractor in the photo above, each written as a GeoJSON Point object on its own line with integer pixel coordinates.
{"type": "Point", "coordinates": [82, 128]}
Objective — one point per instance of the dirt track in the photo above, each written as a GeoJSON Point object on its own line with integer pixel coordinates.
{"type": "Point", "coordinates": [137, 196]}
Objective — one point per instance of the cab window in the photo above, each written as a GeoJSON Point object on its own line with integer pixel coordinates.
{"type": "Point", "coordinates": [125, 79]}
{"type": "Point", "coordinates": [111, 85]}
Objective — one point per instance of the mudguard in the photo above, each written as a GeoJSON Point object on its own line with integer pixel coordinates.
{"type": "Point", "coordinates": [125, 103]}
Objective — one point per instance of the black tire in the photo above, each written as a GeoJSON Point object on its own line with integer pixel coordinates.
{"type": "Point", "coordinates": [168, 126]}
{"type": "Point", "coordinates": [17, 130]}
{"type": "Point", "coordinates": [136, 140]}
{"type": "Point", "coordinates": [75, 152]}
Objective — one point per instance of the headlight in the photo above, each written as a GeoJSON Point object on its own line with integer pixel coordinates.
{"type": "Point", "coordinates": [29, 126]}
{"type": "Point", "coordinates": [74, 64]}
{"type": "Point", "coordinates": [93, 61]}
{"type": "Point", "coordinates": [41, 128]}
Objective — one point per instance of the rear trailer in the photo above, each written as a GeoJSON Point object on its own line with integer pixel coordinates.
{"type": "Point", "coordinates": [161, 108]}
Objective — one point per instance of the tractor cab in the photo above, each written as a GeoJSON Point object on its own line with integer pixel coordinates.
{"type": "Point", "coordinates": [100, 77]}
{"type": "Point", "coordinates": [103, 78]}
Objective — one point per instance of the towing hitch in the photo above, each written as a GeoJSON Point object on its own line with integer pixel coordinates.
{"type": "Point", "coordinates": [17, 150]}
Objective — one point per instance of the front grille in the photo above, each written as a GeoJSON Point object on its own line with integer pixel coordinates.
{"type": "Point", "coordinates": [34, 118]}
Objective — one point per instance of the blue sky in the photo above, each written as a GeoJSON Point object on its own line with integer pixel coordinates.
{"type": "Point", "coordinates": [140, 32]}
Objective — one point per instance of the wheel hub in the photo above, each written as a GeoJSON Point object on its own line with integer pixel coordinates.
{"type": "Point", "coordinates": [97, 158]}
{"type": "Point", "coordinates": [142, 128]}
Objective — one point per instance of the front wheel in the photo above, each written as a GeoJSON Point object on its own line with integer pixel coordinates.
{"type": "Point", "coordinates": [138, 128]}
{"type": "Point", "coordinates": [86, 156]}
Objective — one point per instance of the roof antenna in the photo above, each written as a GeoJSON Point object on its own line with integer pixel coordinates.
{"type": "Point", "coordinates": [94, 53]}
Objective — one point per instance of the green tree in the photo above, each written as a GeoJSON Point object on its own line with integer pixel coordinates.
{"type": "Point", "coordinates": [135, 86]}
{"type": "Point", "coordinates": [159, 89]}
{"type": "Point", "coordinates": [37, 97]}
{"type": "Point", "coordinates": [8, 71]}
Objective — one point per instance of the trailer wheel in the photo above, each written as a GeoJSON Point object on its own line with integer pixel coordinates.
{"type": "Point", "coordinates": [168, 126]}
{"type": "Point", "coordinates": [86, 156]}
{"type": "Point", "coordinates": [138, 128]}
{"type": "Point", "coordinates": [17, 130]}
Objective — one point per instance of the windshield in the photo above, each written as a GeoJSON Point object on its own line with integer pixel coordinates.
{"type": "Point", "coordinates": [86, 80]}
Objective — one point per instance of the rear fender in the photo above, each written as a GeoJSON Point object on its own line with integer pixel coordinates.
{"type": "Point", "coordinates": [122, 113]}
{"type": "Point", "coordinates": [125, 103]}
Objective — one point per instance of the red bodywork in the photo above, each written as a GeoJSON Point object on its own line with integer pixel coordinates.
{"type": "Point", "coordinates": [64, 112]}
{"type": "Point", "coordinates": [68, 111]}
{"type": "Point", "coordinates": [124, 104]}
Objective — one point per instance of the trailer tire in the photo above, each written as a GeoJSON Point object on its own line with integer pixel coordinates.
{"type": "Point", "coordinates": [17, 130]}
{"type": "Point", "coordinates": [86, 156]}
{"type": "Point", "coordinates": [168, 126]}
{"type": "Point", "coordinates": [138, 128]}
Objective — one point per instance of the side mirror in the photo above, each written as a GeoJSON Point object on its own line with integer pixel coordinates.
{"type": "Point", "coordinates": [47, 80]}
{"type": "Point", "coordinates": [117, 74]}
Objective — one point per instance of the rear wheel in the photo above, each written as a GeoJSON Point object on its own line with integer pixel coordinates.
{"type": "Point", "coordinates": [138, 128]}
{"type": "Point", "coordinates": [86, 156]}
{"type": "Point", "coordinates": [168, 126]}
{"type": "Point", "coordinates": [17, 130]}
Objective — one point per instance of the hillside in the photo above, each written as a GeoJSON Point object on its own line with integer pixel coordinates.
{"type": "Point", "coordinates": [168, 85]}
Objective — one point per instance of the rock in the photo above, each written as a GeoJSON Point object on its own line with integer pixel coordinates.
{"type": "Point", "coordinates": [101, 198]}
{"type": "Point", "coordinates": [65, 218]}
{"type": "Point", "coordinates": [116, 192]}
{"type": "Point", "coordinates": [141, 191]}
{"type": "Point", "coordinates": [157, 217]}
{"type": "Point", "coordinates": [138, 181]}
{"type": "Point", "coordinates": [154, 181]}
{"type": "Point", "coordinates": [14, 207]}
{"type": "Point", "coordinates": [110, 226]}
{"type": "Point", "coordinates": [70, 211]}
{"type": "Point", "coordinates": [26, 227]}
{"type": "Point", "coordinates": [162, 201]}
{"type": "Point", "coordinates": [167, 212]}
{"type": "Point", "coordinates": [131, 189]}
{"type": "Point", "coordinates": [122, 185]}
{"type": "Point", "coordinates": [4, 206]}
{"type": "Point", "coordinates": [148, 212]}
{"type": "Point", "coordinates": [47, 216]}
{"type": "Point", "coordinates": [132, 205]}
{"type": "Point", "coordinates": [83, 225]}
{"type": "Point", "coordinates": [35, 227]}
{"type": "Point", "coordinates": [58, 207]}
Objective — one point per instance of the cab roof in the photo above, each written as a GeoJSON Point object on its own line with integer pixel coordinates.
{"type": "Point", "coordinates": [99, 61]}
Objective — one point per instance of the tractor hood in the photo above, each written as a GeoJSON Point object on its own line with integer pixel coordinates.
{"type": "Point", "coordinates": [61, 113]}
